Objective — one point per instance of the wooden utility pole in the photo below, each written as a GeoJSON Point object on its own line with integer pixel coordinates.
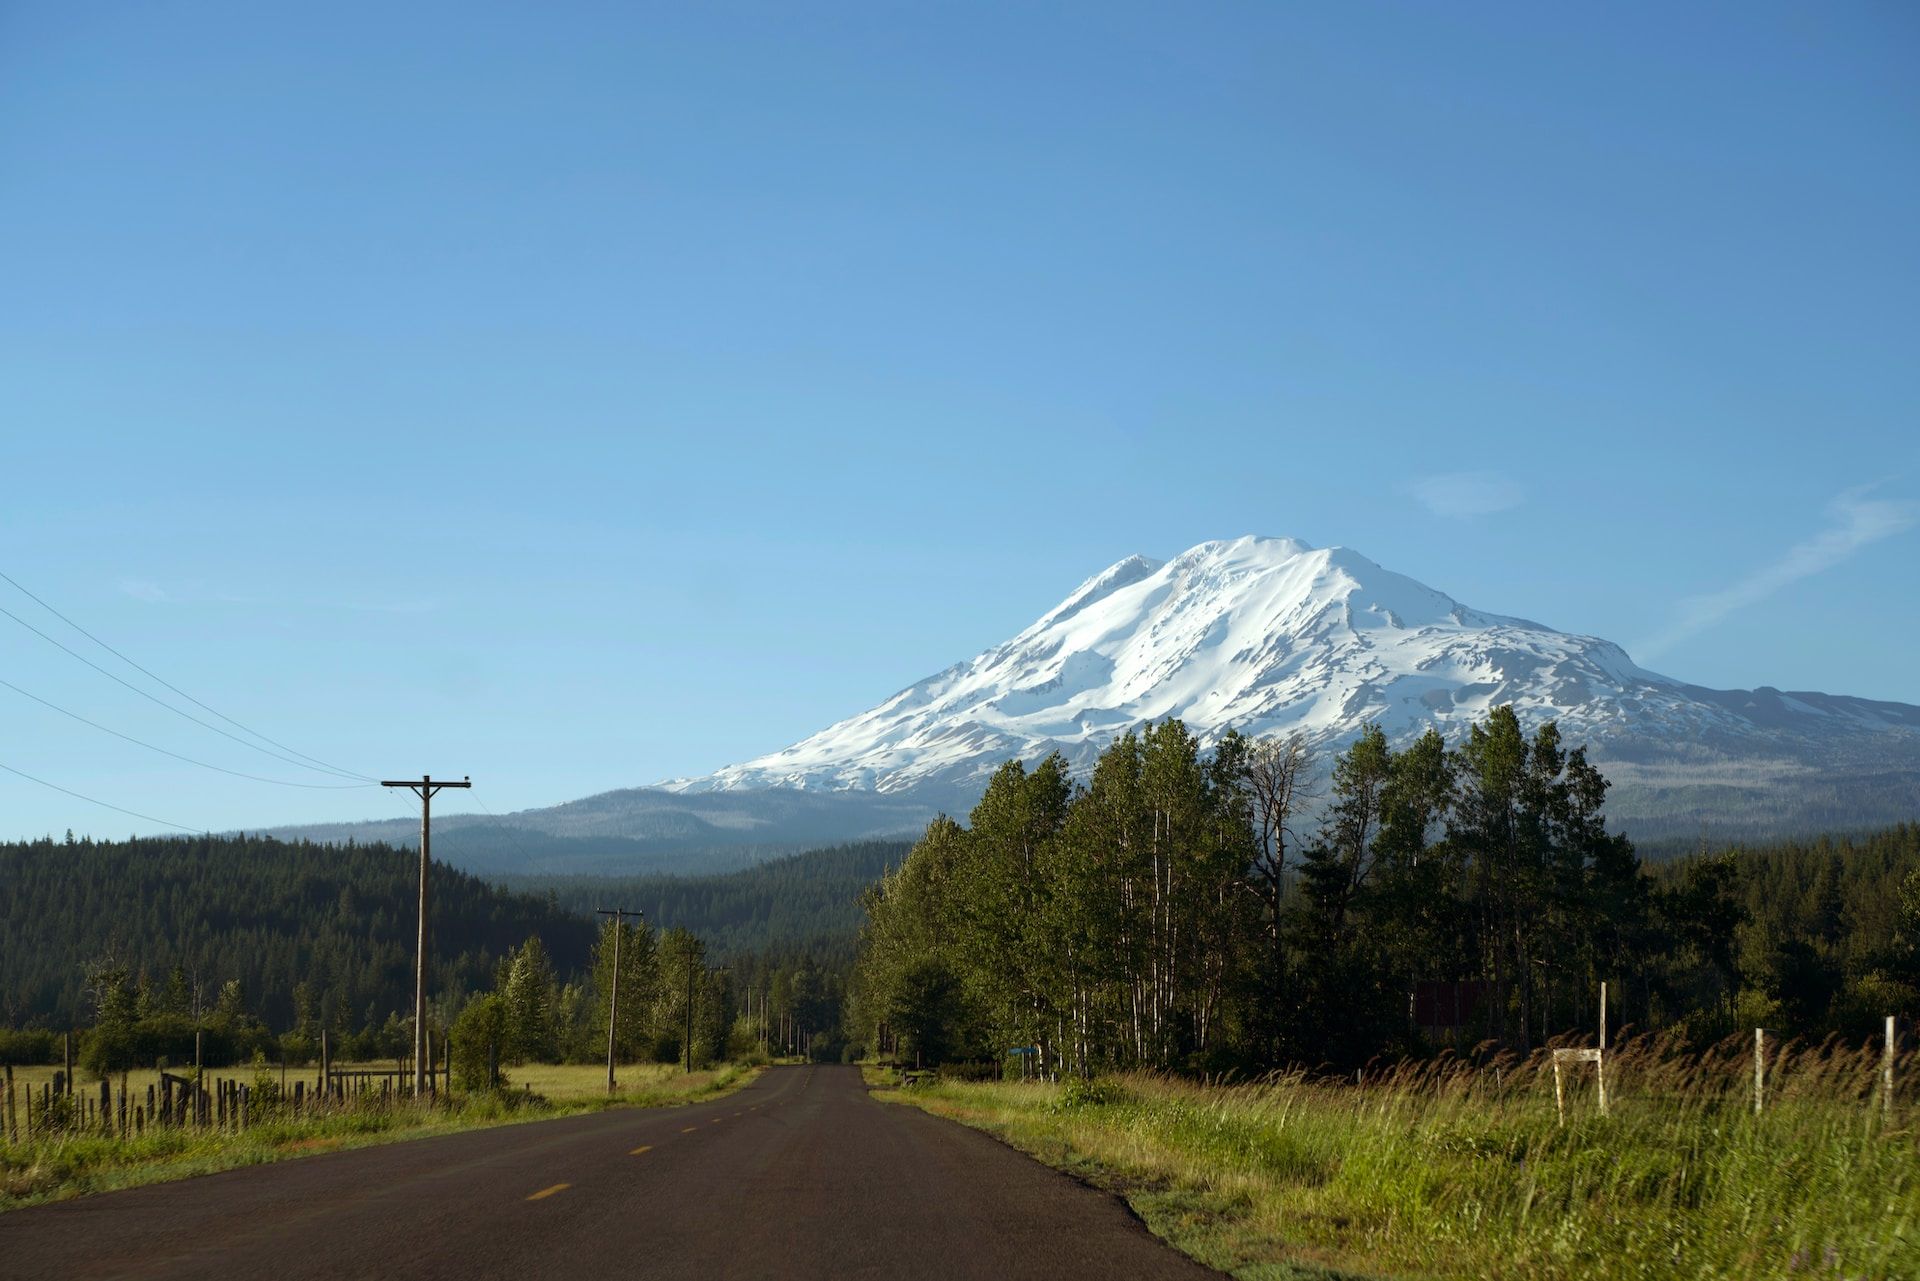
{"type": "Point", "coordinates": [425, 790]}
{"type": "Point", "coordinates": [619, 914]}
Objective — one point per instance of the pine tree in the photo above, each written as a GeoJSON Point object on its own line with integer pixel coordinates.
{"type": "Point", "coordinates": [529, 997]}
{"type": "Point", "coordinates": [639, 979]}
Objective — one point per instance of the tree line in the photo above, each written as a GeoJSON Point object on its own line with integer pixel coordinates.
{"type": "Point", "coordinates": [1250, 906]}
{"type": "Point", "coordinates": [1815, 937]}
{"type": "Point", "coordinates": [329, 925]}
{"type": "Point", "coordinates": [673, 1006]}
{"type": "Point", "coordinates": [1236, 908]}
{"type": "Point", "coordinates": [257, 947]}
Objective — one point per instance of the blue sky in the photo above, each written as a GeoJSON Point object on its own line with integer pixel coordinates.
{"type": "Point", "coordinates": [578, 395]}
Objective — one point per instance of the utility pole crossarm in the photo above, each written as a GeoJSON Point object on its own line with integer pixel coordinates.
{"type": "Point", "coordinates": [425, 788]}
{"type": "Point", "coordinates": [423, 783]}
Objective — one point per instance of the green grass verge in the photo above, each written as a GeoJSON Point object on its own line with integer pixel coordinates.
{"type": "Point", "coordinates": [1448, 1178]}
{"type": "Point", "coordinates": [58, 1167]}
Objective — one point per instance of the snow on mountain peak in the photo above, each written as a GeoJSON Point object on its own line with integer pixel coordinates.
{"type": "Point", "coordinates": [1106, 582]}
{"type": "Point", "coordinates": [1268, 635]}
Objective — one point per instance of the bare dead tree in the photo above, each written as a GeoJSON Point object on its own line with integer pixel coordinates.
{"type": "Point", "coordinates": [1279, 776]}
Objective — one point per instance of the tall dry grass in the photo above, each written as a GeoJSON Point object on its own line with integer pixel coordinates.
{"type": "Point", "coordinates": [1460, 1166]}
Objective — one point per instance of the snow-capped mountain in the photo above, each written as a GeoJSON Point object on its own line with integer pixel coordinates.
{"type": "Point", "coordinates": [1269, 635]}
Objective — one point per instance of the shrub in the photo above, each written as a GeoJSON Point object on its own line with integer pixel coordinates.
{"type": "Point", "coordinates": [478, 1043]}
{"type": "Point", "coordinates": [1080, 1092]}
{"type": "Point", "coordinates": [29, 1045]}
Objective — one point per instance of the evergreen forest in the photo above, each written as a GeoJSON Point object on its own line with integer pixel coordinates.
{"type": "Point", "coordinates": [1251, 907]}
{"type": "Point", "coordinates": [1200, 910]}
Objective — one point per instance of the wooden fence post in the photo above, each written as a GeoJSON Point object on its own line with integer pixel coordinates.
{"type": "Point", "coordinates": [13, 1120]}
{"type": "Point", "coordinates": [1600, 1059]}
{"type": "Point", "coordinates": [1759, 1069]}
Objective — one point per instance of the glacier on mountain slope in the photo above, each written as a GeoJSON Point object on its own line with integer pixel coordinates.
{"type": "Point", "coordinates": [1266, 635]}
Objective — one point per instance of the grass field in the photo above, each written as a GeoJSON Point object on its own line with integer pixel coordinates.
{"type": "Point", "coordinates": [56, 1167]}
{"type": "Point", "coordinates": [1463, 1174]}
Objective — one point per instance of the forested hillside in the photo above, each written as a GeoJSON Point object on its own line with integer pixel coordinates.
{"type": "Point", "coordinates": [333, 924]}
{"type": "Point", "coordinates": [801, 903]}
{"type": "Point", "coordinates": [323, 935]}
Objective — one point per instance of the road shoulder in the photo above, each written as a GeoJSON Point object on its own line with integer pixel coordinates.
{"type": "Point", "coordinates": [1205, 1223]}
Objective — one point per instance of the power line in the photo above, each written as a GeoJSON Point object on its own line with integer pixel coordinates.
{"type": "Point", "coordinates": [311, 760]}
{"type": "Point", "coordinates": [159, 702]}
{"type": "Point", "coordinates": [511, 833]}
{"type": "Point", "coordinates": [103, 804]}
{"type": "Point", "coordinates": [280, 782]}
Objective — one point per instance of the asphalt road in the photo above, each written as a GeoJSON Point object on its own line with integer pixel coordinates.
{"type": "Point", "coordinates": [800, 1174]}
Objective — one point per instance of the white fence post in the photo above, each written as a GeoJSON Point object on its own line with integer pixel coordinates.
{"type": "Point", "coordinates": [1886, 1075]}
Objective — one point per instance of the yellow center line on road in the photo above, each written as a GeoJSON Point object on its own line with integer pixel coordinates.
{"type": "Point", "coordinates": [690, 1129]}
{"type": "Point", "coordinates": [643, 1148]}
{"type": "Point", "coordinates": [544, 1193]}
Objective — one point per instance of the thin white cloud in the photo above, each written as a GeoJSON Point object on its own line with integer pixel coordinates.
{"type": "Point", "coordinates": [1857, 521]}
{"type": "Point", "coordinates": [1459, 495]}
{"type": "Point", "coordinates": [142, 590]}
